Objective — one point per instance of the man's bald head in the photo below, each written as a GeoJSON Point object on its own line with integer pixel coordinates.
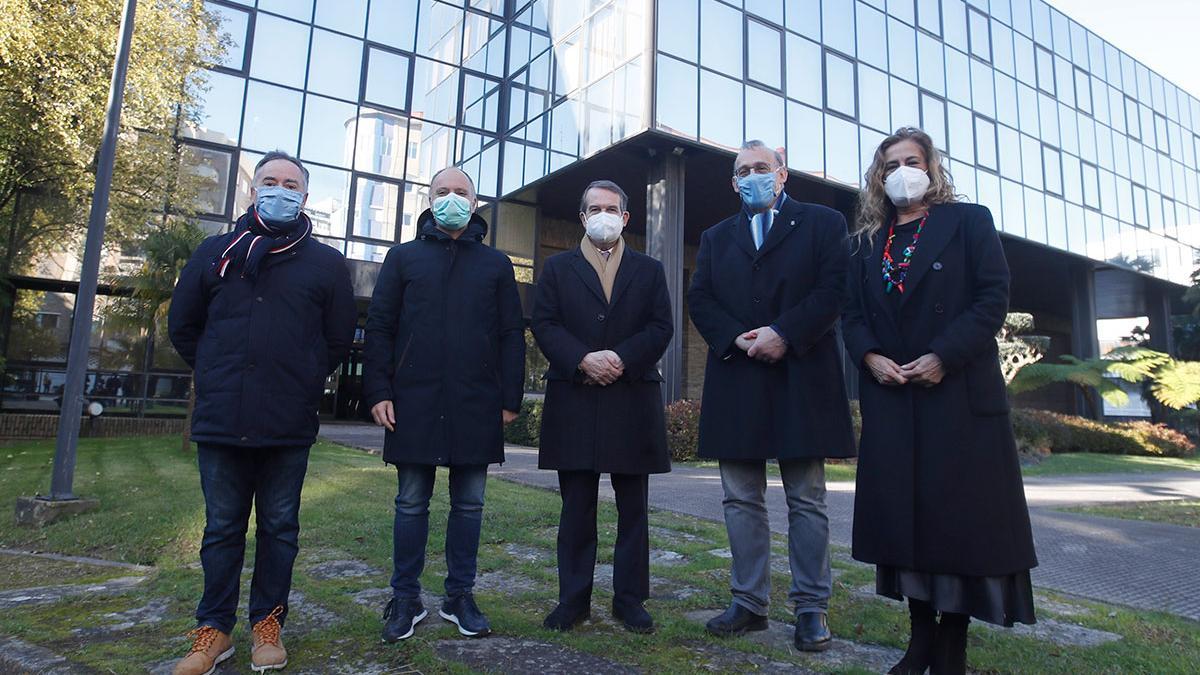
{"type": "Point", "coordinates": [452, 179]}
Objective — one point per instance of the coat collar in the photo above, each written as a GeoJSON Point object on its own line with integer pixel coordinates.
{"type": "Point", "coordinates": [789, 214]}
{"type": "Point", "coordinates": [588, 275]}
{"type": "Point", "coordinates": [427, 229]}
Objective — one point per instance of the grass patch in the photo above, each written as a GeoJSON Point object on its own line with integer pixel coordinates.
{"type": "Point", "coordinates": [152, 513]}
{"type": "Point", "coordinates": [1087, 463]}
{"type": "Point", "coordinates": [1174, 512]}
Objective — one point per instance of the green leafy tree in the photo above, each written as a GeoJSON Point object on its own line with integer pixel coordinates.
{"type": "Point", "coordinates": [1174, 384]}
{"type": "Point", "coordinates": [56, 60]}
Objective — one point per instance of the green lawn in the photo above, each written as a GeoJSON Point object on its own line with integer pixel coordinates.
{"type": "Point", "coordinates": [152, 514]}
{"type": "Point", "coordinates": [1175, 512]}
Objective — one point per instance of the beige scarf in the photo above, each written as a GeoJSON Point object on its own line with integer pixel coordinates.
{"type": "Point", "coordinates": [605, 269]}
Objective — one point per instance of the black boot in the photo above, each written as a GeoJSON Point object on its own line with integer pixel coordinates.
{"type": "Point", "coordinates": [919, 655]}
{"type": "Point", "coordinates": [950, 647]}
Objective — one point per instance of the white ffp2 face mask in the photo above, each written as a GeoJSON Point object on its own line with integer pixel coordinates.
{"type": "Point", "coordinates": [906, 186]}
{"type": "Point", "coordinates": [604, 227]}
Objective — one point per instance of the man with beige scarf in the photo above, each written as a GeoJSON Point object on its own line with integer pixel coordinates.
{"type": "Point", "coordinates": [602, 317]}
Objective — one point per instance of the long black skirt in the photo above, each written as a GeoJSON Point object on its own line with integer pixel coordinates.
{"type": "Point", "coordinates": [998, 600]}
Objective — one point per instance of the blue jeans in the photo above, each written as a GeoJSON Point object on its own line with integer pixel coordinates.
{"type": "Point", "coordinates": [233, 479]}
{"type": "Point", "coordinates": [745, 484]}
{"type": "Point", "coordinates": [410, 530]}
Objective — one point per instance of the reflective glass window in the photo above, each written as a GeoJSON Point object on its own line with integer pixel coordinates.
{"type": "Point", "coordinates": [1035, 215]}
{"type": "Point", "coordinates": [376, 209]}
{"type": "Point", "coordinates": [764, 115]}
{"type": "Point", "coordinates": [962, 135]}
{"type": "Point", "coordinates": [1027, 108]}
{"type": "Point", "coordinates": [481, 103]}
{"type": "Point", "coordinates": [296, 9]}
{"type": "Point", "coordinates": [902, 51]}
{"type": "Point", "coordinates": [989, 193]}
{"type": "Point", "coordinates": [677, 99]}
{"type": "Point", "coordinates": [839, 84]}
{"type": "Point", "coordinates": [868, 141]}
{"type": "Point", "coordinates": [1076, 230]}
{"type": "Point", "coordinates": [1024, 59]}
{"type": "Point", "coordinates": [872, 36]}
{"type": "Point", "coordinates": [805, 140]}
{"type": "Point", "coordinates": [929, 16]}
{"type": "Point", "coordinates": [280, 50]}
{"type": "Point", "coordinates": [1064, 75]}
{"type": "Point", "coordinates": [1022, 18]}
{"type": "Point", "coordinates": [954, 24]}
{"type": "Point", "coordinates": [232, 25]}
{"type": "Point", "coordinates": [905, 108]}
{"type": "Point", "coordinates": [982, 92]}
{"type": "Point", "coordinates": [272, 118]}
{"type": "Point", "coordinates": [804, 17]}
{"type": "Point", "coordinates": [387, 79]}
{"type": "Point", "coordinates": [678, 28]}
{"type": "Point", "coordinates": [1031, 162]}
{"type": "Point", "coordinates": [1141, 206]}
{"type": "Point", "coordinates": [981, 39]}
{"type": "Point", "coordinates": [1083, 91]}
{"type": "Point", "coordinates": [764, 56]}
{"type": "Point", "coordinates": [903, 10]}
{"type": "Point", "coordinates": [874, 108]}
{"type": "Point", "coordinates": [439, 31]}
{"type": "Point", "coordinates": [383, 143]}
{"type": "Point", "coordinates": [328, 200]}
{"type": "Point", "coordinates": [721, 38]}
{"type": "Point", "coordinates": [932, 64]}
{"type": "Point", "coordinates": [1048, 114]}
{"type": "Point", "coordinates": [434, 91]}
{"type": "Point", "coordinates": [772, 10]}
{"type": "Point", "coordinates": [1006, 100]}
{"type": "Point", "coordinates": [841, 151]}
{"type": "Point", "coordinates": [1052, 168]}
{"type": "Point", "coordinates": [985, 143]}
{"type": "Point", "coordinates": [219, 117]}
{"type": "Point", "coordinates": [721, 124]}
{"type": "Point", "coordinates": [209, 173]}
{"type": "Point", "coordinates": [933, 119]}
{"type": "Point", "coordinates": [393, 23]}
{"type": "Point", "coordinates": [347, 16]}
{"type": "Point", "coordinates": [958, 77]}
{"type": "Point", "coordinates": [329, 131]}
{"type": "Point", "coordinates": [1013, 197]}
{"type": "Point", "coordinates": [1009, 143]}
{"type": "Point", "coordinates": [837, 21]}
{"type": "Point", "coordinates": [1068, 129]}
{"type": "Point", "coordinates": [1002, 48]}
{"type": "Point", "coordinates": [1056, 223]}
{"type": "Point", "coordinates": [1045, 70]}
{"type": "Point", "coordinates": [1041, 22]}
{"type": "Point", "coordinates": [804, 70]}
{"type": "Point", "coordinates": [335, 65]}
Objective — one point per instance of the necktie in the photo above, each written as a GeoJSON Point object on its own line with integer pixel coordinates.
{"type": "Point", "coordinates": [760, 225]}
{"type": "Point", "coordinates": [606, 254]}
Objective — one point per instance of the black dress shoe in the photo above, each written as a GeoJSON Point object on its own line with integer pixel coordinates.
{"type": "Point", "coordinates": [635, 618]}
{"type": "Point", "coordinates": [564, 617]}
{"type": "Point", "coordinates": [812, 632]}
{"type": "Point", "coordinates": [735, 621]}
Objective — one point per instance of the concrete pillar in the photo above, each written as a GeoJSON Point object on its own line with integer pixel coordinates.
{"type": "Point", "coordinates": [1084, 343]}
{"type": "Point", "coordinates": [1158, 311]}
{"type": "Point", "coordinates": [664, 241]}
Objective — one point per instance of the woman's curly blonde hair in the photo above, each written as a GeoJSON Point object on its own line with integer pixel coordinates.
{"type": "Point", "coordinates": [875, 209]}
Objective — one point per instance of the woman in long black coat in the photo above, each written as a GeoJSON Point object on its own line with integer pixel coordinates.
{"type": "Point", "coordinates": [939, 506]}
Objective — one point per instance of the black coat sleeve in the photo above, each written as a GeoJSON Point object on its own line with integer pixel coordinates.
{"type": "Point", "coordinates": [856, 331]}
{"type": "Point", "coordinates": [717, 326]}
{"type": "Point", "coordinates": [642, 350]}
{"type": "Point", "coordinates": [563, 350]}
{"type": "Point", "coordinates": [341, 316]}
{"type": "Point", "coordinates": [974, 331]}
{"type": "Point", "coordinates": [815, 315]}
{"type": "Point", "coordinates": [189, 306]}
{"type": "Point", "coordinates": [512, 340]}
{"type": "Point", "coordinates": [383, 317]}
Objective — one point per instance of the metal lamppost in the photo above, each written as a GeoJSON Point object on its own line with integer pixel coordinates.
{"type": "Point", "coordinates": [62, 499]}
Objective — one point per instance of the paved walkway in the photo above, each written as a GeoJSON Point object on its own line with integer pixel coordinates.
{"type": "Point", "coordinates": [1145, 565]}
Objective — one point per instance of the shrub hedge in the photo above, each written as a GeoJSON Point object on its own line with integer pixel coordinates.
{"type": "Point", "coordinates": [1037, 431]}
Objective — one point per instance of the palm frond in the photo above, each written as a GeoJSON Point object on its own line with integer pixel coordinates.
{"type": "Point", "coordinates": [1177, 385]}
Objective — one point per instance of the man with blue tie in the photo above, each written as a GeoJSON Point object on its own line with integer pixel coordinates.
{"type": "Point", "coordinates": [766, 293]}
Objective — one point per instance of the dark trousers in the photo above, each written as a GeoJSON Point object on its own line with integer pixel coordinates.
{"type": "Point", "coordinates": [410, 529]}
{"type": "Point", "coordinates": [577, 539]}
{"type": "Point", "coordinates": [233, 479]}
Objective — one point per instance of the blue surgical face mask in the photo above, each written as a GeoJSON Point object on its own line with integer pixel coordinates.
{"type": "Point", "coordinates": [452, 211]}
{"type": "Point", "coordinates": [277, 204]}
{"type": "Point", "coordinates": [757, 190]}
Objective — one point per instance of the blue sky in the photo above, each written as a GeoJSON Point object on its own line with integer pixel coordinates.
{"type": "Point", "coordinates": [1160, 33]}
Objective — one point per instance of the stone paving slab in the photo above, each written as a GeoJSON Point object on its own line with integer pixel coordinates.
{"type": "Point", "coordinates": [153, 612]}
{"type": "Point", "coordinates": [500, 654]}
{"type": "Point", "coordinates": [44, 595]}
{"type": "Point", "coordinates": [341, 569]}
{"type": "Point", "coordinates": [842, 655]}
{"type": "Point", "coordinates": [717, 659]}
{"type": "Point", "coordinates": [1058, 632]}
{"type": "Point", "coordinates": [18, 656]}
{"type": "Point", "coordinates": [79, 560]}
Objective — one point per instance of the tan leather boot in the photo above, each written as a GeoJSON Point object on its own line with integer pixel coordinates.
{"type": "Point", "coordinates": [209, 648]}
{"type": "Point", "coordinates": [268, 652]}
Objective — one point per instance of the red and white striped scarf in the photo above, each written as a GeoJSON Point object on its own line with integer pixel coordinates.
{"type": "Point", "coordinates": [258, 240]}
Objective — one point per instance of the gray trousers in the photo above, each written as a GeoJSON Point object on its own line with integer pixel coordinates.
{"type": "Point", "coordinates": [745, 484]}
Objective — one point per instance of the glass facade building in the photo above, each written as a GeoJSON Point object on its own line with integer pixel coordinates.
{"type": "Point", "coordinates": [1087, 158]}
